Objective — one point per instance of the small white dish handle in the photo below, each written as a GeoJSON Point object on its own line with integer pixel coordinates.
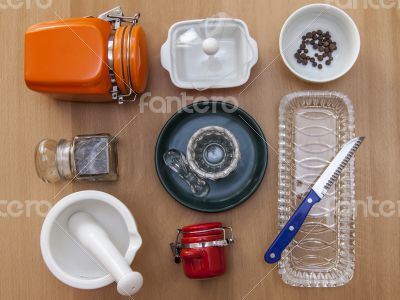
{"type": "Point", "coordinates": [166, 56]}
{"type": "Point", "coordinates": [254, 49]}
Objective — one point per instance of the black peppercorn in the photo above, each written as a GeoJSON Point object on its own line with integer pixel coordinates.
{"type": "Point", "coordinates": [323, 47]}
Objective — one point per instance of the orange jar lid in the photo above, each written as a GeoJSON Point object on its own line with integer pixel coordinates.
{"type": "Point", "coordinates": [130, 59]}
{"type": "Point", "coordinates": [139, 59]}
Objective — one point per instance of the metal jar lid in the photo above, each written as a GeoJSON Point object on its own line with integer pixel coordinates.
{"type": "Point", "coordinates": [63, 159]}
{"type": "Point", "coordinates": [177, 246]}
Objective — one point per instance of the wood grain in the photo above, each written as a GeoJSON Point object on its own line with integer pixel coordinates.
{"type": "Point", "coordinates": [26, 117]}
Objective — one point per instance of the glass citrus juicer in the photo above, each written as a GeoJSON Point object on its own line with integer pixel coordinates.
{"type": "Point", "coordinates": [212, 153]}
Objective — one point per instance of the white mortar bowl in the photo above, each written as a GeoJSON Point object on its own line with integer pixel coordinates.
{"type": "Point", "coordinates": [66, 258]}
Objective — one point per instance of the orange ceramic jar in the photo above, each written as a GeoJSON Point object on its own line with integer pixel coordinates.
{"type": "Point", "coordinates": [88, 59]}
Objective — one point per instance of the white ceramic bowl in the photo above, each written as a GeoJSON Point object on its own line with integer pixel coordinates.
{"type": "Point", "coordinates": [327, 18]}
{"type": "Point", "coordinates": [63, 255]}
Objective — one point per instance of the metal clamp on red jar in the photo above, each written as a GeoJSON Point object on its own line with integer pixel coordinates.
{"type": "Point", "coordinates": [88, 59]}
{"type": "Point", "coordinates": [201, 248]}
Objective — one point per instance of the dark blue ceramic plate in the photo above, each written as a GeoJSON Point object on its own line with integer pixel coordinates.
{"type": "Point", "coordinates": [224, 193]}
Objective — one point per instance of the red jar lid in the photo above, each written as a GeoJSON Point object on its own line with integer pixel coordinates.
{"type": "Point", "coordinates": [196, 230]}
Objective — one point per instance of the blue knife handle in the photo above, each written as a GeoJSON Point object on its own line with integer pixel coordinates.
{"type": "Point", "coordinates": [291, 228]}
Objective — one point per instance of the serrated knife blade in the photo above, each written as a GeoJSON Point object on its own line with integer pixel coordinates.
{"type": "Point", "coordinates": [336, 166]}
{"type": "Point", "coordinates": [317, 192]}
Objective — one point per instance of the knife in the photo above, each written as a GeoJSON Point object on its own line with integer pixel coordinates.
{"type": "Point", "coordinates": [317, 192]}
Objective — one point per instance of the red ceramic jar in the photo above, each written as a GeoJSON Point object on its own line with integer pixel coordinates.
{"type": "Point", "coordinates": [201, 249]}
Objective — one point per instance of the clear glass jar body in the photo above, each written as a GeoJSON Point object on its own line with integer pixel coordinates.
{"type": "Point", "coordinates": [86, 157]}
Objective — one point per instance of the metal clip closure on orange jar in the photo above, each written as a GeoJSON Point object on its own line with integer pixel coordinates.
{"type": "Point", "coordinates": [88, 59]}
{"type": "Point", "coordinates": [201, 249]}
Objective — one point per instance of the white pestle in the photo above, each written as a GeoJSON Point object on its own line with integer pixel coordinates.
{"type": "Point", "coordinates": [93, 237]}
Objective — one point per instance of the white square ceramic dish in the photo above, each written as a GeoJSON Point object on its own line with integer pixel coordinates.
{"type": "Point", "coordinates": [209, 53]}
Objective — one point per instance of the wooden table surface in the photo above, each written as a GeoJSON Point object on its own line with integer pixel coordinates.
{"type": "Point", "coordinates": [27, 117]}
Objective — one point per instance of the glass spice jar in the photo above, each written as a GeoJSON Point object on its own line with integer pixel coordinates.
{"type": "Point", "coordinates": [88, 59]}
{"type": "Point", "coordinates": [86, 157]}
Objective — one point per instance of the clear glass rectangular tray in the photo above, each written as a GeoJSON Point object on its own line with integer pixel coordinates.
{"type": "Point", "coordinates": [313, 126]}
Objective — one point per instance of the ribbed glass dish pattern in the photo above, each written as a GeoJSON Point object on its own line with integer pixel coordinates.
{"type": "Point", "coordinates": [313, 126]}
